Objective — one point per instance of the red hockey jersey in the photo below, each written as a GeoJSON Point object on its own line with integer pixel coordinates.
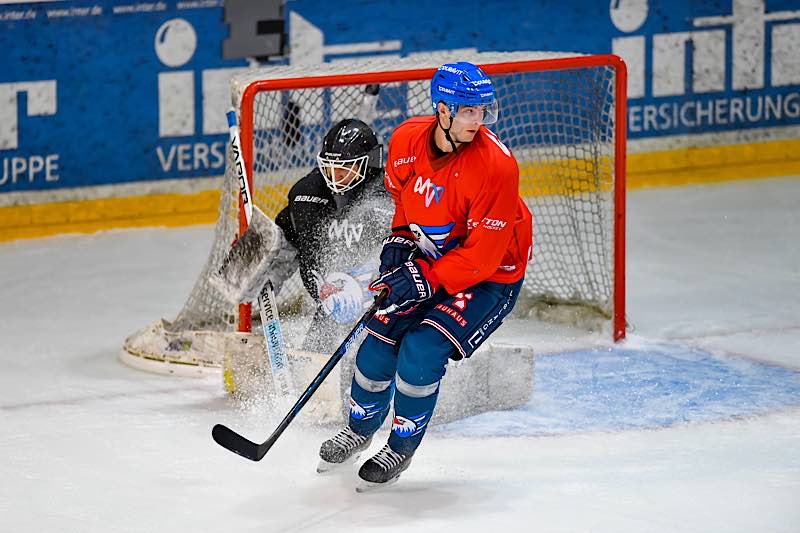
{"type": "Point", "coordinates": [464, 208]}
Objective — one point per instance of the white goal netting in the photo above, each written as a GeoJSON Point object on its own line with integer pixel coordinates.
{"type": "Point", "coordinates": [560, 115]}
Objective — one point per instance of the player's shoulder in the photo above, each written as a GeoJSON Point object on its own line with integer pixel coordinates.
{"type": "Point", "coordinates": [310, 189]}
{"type": "Point", "coordinates": [422, 122]}
{"type": "Point", "coordinates": [411, 128]}
{"type": "Point", "coordinates": [490, 151]}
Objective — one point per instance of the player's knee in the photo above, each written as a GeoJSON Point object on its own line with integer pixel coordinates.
{"type": "Point", "coordinates": [376, 363]}
{"type": "Point", "coordinates": [423, 357]}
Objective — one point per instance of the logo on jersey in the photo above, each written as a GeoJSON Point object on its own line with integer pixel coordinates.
{"type": "Point", "coordinates": [383, 319]}
{"type": "Point", "coordinates": [345, 230]}
{"type": "Point", "coordinates": [404, 161]}
{"type": "Point", "coordinates": [342, 294]}
{"type": "Point", "coordinates": [492, 224]}
{"type": "Point", "coordinates": [434, 241]}
{"type": "Point", "coordinates": [429, 190]}
{"type": "Point", "coordinates": [408, 427]}
{"type": "Point", "coordinates": [311, 199]}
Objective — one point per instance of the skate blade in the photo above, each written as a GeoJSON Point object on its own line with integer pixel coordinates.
{"type": "Point", "coordinates": [324, 467]}
{"type": "Point", "coordinates": [369, 486]}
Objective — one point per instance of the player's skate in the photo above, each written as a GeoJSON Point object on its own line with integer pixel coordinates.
{"type": "Point", "coordinates": [383, 469]}
{"type": "Point", "coordinates": [343, 448]}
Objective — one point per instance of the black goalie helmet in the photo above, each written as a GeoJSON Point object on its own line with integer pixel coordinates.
{"type": "Point", "coordinates": [350, 155]}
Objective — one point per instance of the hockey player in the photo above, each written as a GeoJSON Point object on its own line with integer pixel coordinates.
{"type": "Point", "coordinates": [331, 222]}
{"type": "Point", "coordinates": [328, 230]}
{"type": "Point", "coordinates": [453, 267]}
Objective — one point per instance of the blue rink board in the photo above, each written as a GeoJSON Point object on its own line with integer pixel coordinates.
{"type": "Point", "coordinates": [612, 390]}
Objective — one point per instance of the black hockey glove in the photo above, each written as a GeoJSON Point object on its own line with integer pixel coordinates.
{"type": "Point", "coordinates": [409, 284]}
{"type": "Point", "coordinates": [398, 248]}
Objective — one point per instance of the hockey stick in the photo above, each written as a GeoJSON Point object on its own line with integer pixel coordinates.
{"type": "Point", "coordinates": [270, 323]}
{"type": "Point", "coordinates": [227, 438]}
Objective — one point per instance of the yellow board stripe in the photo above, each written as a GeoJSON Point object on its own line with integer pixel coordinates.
{"type": "Point", "coordinates": [710, 164]}
{"type": "Point", "coordinates": [652, 169]}
{"type": "Point", "coordinates": [88, 216]}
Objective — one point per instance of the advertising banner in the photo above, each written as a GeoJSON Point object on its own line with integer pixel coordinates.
{"type": "Point", "coordinates": [92, 93]}
{"type": "Point", "coordinates": [95, 93]}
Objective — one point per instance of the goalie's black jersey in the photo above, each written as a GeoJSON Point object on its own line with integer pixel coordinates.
{"type": "Point", "coordinates": [334, 232]}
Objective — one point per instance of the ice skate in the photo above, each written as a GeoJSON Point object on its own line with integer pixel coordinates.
{"type": "Point", "coordinates": [382, 470]}
{"type": "Point", "coordinates": [343, 448]}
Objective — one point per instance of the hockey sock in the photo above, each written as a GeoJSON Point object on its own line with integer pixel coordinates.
{"type": "Point", "coordinates": [411, 417]}
{"type": "Point", "coordinates": [368, 409]}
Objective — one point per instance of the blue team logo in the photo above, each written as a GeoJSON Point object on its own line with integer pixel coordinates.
{"type": "Point", "coordinates": [434, 241]}
{"type": "Point", "coordinates": [408, 427]}
{"type": "Point", "coordinates": [363, 412]}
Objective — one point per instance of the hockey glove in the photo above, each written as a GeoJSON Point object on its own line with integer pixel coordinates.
{"type": "Point", "coordinates": [411, 283]}
{"type": "Point", "coordinates": [261, 253]}
{"type": "Point", "coordinates": [398, 248]}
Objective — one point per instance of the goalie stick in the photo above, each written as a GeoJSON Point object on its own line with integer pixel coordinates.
{"type": "Point", "coordinates": [270, 322]}
{"type": "Point", "coordinates": [227, 438]}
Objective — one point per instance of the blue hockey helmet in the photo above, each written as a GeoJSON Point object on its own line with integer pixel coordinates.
{"type": "Point", "coordinates": [464, 84]}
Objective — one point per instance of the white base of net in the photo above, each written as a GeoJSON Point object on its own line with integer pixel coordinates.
{"type": "Point", "coordinates": [498, 376]}
{"type": "Point", "coordinates": [185, 354]}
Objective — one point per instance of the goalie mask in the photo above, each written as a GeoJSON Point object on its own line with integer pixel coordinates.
{"type": "Point", "coordinates": [350, 155]}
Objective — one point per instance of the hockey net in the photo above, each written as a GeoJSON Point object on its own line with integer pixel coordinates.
{"type": "Point", "coordinates": [563, 116]}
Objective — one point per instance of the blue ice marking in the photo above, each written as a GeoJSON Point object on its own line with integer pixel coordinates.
{"type": "Point", "coordinates": [612, 390]}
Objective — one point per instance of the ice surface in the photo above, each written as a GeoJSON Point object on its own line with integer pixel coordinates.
{"type": "Point", "coordinates": [618, 389]}
{"type": "Point", "coordinates": [692, 425]}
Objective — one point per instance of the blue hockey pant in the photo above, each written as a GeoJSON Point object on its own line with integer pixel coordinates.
{"type": "Point", "coordinates": [406, 355]}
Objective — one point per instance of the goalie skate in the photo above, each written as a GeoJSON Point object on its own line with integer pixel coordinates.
{"type": "Point", "coordinates": [344, 448]}
{"type": "Point", "coordinates": [382, 470]}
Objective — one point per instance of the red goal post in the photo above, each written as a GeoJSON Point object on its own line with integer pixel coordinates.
{"type": "Point", "coordinates": [583, 172]}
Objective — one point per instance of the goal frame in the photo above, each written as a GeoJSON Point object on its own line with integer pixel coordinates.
{"type": "Point", "coordinates": [551, 64]}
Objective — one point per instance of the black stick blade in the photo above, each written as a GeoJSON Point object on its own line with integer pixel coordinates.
{"type": "Point", "coordinates": [227, 438]}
